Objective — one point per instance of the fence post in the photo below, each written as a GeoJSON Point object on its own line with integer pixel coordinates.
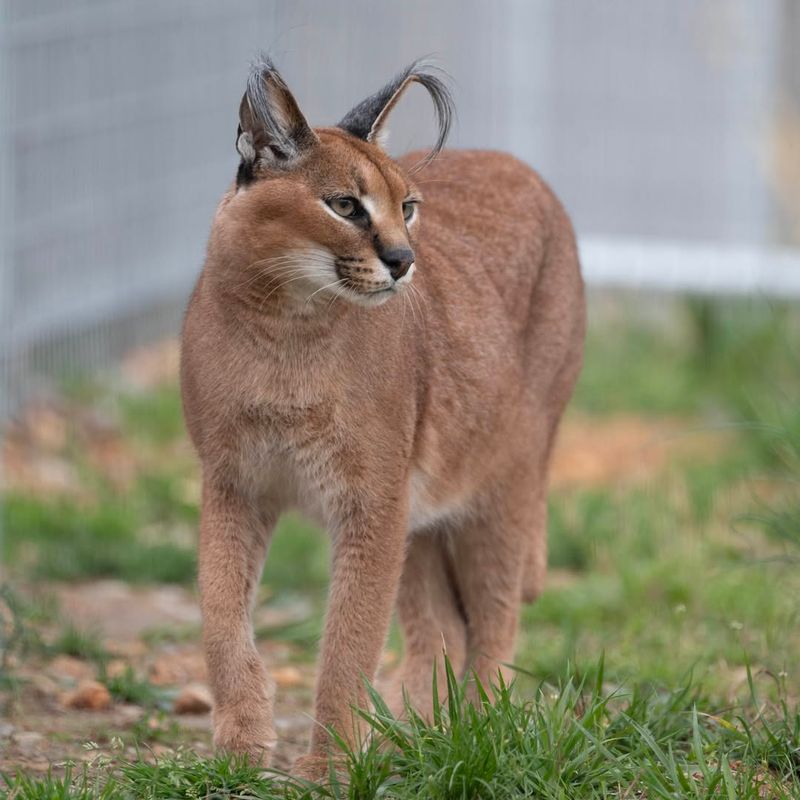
{"type": "Point", "coordinates": [787, 166]}
{"type": "Point", "coordinates": [6, 211]}
{"type": "Point", "coordinates": [6, 231]}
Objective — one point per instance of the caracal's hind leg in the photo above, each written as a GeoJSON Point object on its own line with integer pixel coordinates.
{"type": "Point", "coordinates": [533, 495]}
{"type": "Point", "coordinates": [544, 421]}
{"type": "Point", "coordinates": [432, 622]}
{"type": "Point", "coordinates": [535, 544]}
{"type": "Point", "coordinates": [490, 555]}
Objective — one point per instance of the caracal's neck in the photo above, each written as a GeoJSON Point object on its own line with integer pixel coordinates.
{"type": "Point", "coordinates": [284, 322]}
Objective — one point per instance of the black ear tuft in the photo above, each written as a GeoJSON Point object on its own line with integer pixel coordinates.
{"type": "Point", "coordinates": [367, 119]}
{"type": "Point", "coordinates": [271, 126]}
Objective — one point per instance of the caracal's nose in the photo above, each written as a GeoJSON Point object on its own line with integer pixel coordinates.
{"type": "Point", "coordinates": [398, 261]}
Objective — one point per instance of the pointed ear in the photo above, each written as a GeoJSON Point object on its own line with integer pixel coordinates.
{"type": "Point", "coordinates": [271, 126]}
{"type": "Point", "coordinates": [367, 120]}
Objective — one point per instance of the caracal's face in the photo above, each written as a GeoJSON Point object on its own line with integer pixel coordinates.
{"type": "Point", "coordinates": [341, 223]}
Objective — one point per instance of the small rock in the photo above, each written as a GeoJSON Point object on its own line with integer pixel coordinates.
{"type": "Point", "coordinates": [28, 741]}
{"type": "Point", "coordinates": [6, 729]}
{"type": "Point", "coordinates": [70, 667]}
{"type": "Point", "coordinates": [89, 695]}
{"type": "Point", "coordinates": [129, 712]}
{"type": "Point", "coordinates": [193, 699]}
{"type": "Point", "coordinates": [116, 667]}
{"type": "Point", "coordinates": [292, 724]}
{"type": "Point", "coordinates": [130, 649]}
{"type": "Point", "coordinates": [181, 666]}
{"type": "Point", "coordinates": [44, 686]}
{"type": "Point", "coordinates": [272, 617]}
{"type": "Point", "coordinates": [287, 677]}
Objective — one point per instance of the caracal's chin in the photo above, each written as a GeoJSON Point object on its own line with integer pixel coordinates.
{"type": "Point", "coordinates": [371, 299]}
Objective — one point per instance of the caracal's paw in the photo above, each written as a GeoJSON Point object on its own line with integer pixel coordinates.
{"type": "Point", "coordinates": [414, 692]}
{"type": "Point", "coordinates": [317, 769]}
{"type": "Point", "coordinates": [245, 732]}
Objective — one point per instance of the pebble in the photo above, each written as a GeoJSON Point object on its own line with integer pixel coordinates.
{"type": "Point", "coordinates": [28, 741]}
{"type": "Point", "coordinates": [116, 667]}
{"type": "Point", "coordinates": [129, 712]}
{"type": "Point", "coordinates": [193, 699]}
{"type": "Point", "coordinates": [287, 677]}
{"type": "Point", "coordinates": [90, 695]}
{"type": "Point", "coordinates": [69, 667]}
{"type": "Point", "coordinates": [44, 686]}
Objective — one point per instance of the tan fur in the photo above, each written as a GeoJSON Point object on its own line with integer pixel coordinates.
{"type": "Point", "coordinates": [418, 430]}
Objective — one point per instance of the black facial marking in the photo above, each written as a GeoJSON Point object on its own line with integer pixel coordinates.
{"type": "Point", "coordinates": [245, 174]}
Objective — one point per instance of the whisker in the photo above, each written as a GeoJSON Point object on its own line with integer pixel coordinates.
{"type": "Point", "coordinates": [403, 318]}
{"type": "Point", "coordinates": [271, 277]}
{"type": "Point", "coordinates": [335, 295]}
{"type": "Point", "coordinates": [289, 259]}
{"type": "Point", "coordinates": [283, 271]}
{"type": "Point", "coordinates": [339, 291]}
{"type": "Point", "coordinates": [280, 286]}
{"type": "Point", "coordinates": [265, 271]}
{"type": "Point", "coordinates": [321, 288]}
{"type": "Point", "coordinates": [410, 303]}
{"type": "Point", "coordinates": [419, 299]}
{"type": "Point", "coordinates": [304, 257]}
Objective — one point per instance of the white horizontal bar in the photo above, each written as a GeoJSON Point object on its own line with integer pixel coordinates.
{"type": "Point", "coordinates": [695, 268]}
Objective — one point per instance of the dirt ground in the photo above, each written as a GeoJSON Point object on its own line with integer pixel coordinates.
{"type": "Point", "coordinates": [43, 727]}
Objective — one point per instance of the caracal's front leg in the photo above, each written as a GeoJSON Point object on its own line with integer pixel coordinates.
{"type": "Point", "coordinates": [368, 551]}
{"type": "Point", "coordinates": [233, 543]}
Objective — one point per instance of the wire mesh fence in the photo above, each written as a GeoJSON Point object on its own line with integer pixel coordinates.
{"type": "Point", "coordinates": [670, 129]}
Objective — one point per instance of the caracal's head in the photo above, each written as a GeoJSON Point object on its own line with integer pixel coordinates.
{"type": "Point", "coordinates": [320, 213]}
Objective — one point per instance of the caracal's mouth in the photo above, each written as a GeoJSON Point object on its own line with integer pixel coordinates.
{"type": "Point", "coordinates": [367, 285]}
{"type": "Point", "coordinates": [370, 297]}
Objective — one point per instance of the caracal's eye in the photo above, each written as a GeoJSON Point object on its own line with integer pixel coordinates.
{"type": "Point", "coordinates": [344, 206]}
{"type": "Point", "coordinates": [408, 210]}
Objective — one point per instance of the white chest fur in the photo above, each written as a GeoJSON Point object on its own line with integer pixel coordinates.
{"type": "Point", "coordinates": [425, 509]}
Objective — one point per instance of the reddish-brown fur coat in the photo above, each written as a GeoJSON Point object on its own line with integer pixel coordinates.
{"type": "Point", "coordinates": [417, 431]}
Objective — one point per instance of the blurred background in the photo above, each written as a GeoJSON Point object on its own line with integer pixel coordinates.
{"type": "Point", "coordinates": [669, 128]}
{"type": "Point", "coordinates": [671, 131]}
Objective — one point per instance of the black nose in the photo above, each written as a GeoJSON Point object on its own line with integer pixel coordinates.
{"type": "Point", "coordinates": [398, 260]}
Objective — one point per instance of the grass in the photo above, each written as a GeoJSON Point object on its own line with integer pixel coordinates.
{"type": "Point", "coordinates": [19, 634]}
{"type": "Point", "coordinates": [665, 585]}
{"type": "Point", "coordinates": [724, 360]}
{"type": "Point", "coordinates": [687, 582]}
{"type": "Point", "coordinates": [574, 740]}
{"type": "Point", "coordinates": [67, 539]}
{"type": "Point", "coordinates": [86, 645]}
{"type": "Point", "coordinates": [128, 687]}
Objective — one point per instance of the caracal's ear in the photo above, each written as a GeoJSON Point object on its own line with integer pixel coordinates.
{"type": "Point", "coordinates": [368, 119]}
{"type": "Point", "coordinates": [272, 129]}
